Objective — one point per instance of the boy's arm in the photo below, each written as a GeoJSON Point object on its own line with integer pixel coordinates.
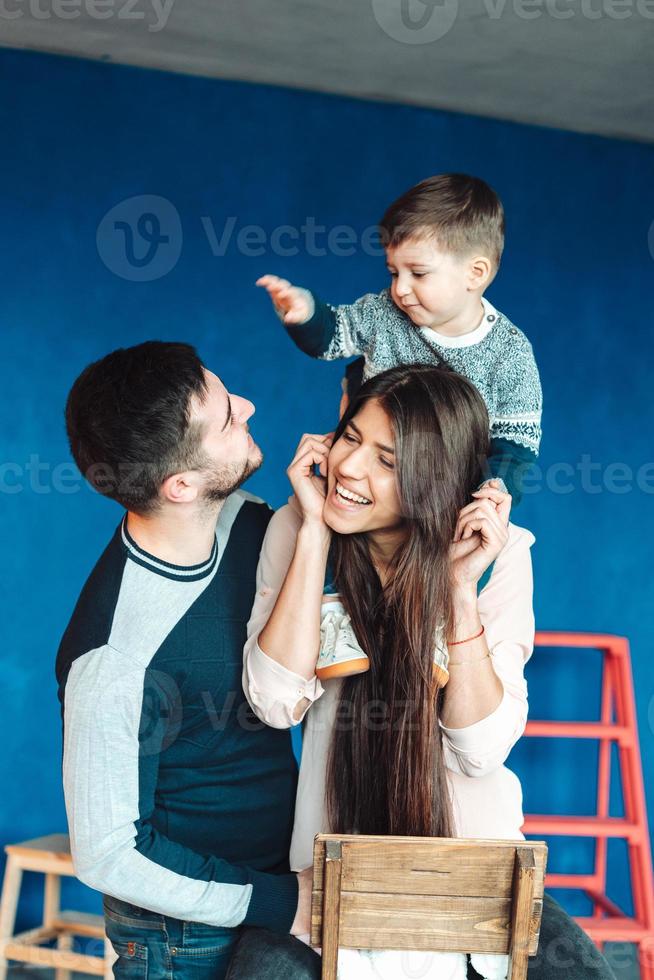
{"type": "Point", "coordinates": [510, 462]}
{"type": "Point", "coordinates": [516, 420]}
{"type": "Point", "coordinates": [336, 332]}
{"type": "Point", "coordinates": [322, 330]}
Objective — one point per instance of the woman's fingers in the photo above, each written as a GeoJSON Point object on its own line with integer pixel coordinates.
{"type": "Point", "coordinates": [316, 451]}
{"type": "Point", "coordinates": [492, 533]}
{"type": "Point", "coordinates": [500, 498]}
{"type": "Point", "coordinates": [461, 549]}
{"type": "Point", "coordinates": [478, 508]}
{"type": "Point", "coordinates": [322, 440]}
{"type": "Point", "coordinates": [318, 445]}
{"type": "Point", "coordinates": [483, 511]}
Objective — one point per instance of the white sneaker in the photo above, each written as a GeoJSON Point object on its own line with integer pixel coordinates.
{"type": "Point", "coordinates": [341, 654]}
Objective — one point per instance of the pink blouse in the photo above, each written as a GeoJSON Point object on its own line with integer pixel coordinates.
{"type": "Point", "coordinates": [486, 796]}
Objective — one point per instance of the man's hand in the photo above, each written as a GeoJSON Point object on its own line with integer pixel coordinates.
{"type": "Point", "coordinates": [291, 302]}
{"type": "Point", "coordinates": [302, 921]}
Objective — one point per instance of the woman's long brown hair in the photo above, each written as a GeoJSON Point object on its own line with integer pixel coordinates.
{"type": "Point", "coordinates": [386, 773]}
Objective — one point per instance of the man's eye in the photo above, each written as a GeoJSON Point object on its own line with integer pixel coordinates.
{"type": "Point", "coordinates": [393, 275]}
{"type": "Point", "coordinates": [419, 275]}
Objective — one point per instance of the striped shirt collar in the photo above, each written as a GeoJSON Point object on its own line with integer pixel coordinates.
{"type": "Point", "coordinates": [183, 573]}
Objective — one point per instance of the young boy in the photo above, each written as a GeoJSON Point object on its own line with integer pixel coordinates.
{"type": "Point", "coordinates": [443, 240]}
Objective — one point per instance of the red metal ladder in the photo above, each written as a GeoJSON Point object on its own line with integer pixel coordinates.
{"type": "Point", "coordinates": [617, 724]}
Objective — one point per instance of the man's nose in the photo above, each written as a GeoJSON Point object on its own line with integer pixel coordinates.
{"type": "Point", "coordinates": [243, 408]}
{"type": "Point", "coordinates": [403, 287]}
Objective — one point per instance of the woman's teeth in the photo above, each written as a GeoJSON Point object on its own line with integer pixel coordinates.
{"type": "Point", "coordinates": [342, 492]}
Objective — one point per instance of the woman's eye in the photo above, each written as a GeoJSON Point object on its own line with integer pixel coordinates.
{"type": "Point", "coordinates": [419, 275]}
{"type": "Point", "coordinates": [393, 275]}
{"type": "Point", "coordinates": [387, 463]}
{"type": "Point", "coordinates": [348, 438]}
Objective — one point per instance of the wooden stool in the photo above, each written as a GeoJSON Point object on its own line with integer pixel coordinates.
{"type": "Point", "coordinates": [51, 856]}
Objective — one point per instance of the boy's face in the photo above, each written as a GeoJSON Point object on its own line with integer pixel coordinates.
{"type": "Point", "coordinates": [431, 286]}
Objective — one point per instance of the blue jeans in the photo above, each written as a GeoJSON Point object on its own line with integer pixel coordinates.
{"type": "Point", "coordinates": [156, 947]}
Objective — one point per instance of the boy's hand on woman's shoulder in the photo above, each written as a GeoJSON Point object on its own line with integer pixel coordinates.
{"type": "Point", "coordinates": [291, 302]}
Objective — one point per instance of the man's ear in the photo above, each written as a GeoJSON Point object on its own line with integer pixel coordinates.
{"type": "Point", "coordinates": [181, 488]}
{"type": "Point", "coordinates": [479, 272]}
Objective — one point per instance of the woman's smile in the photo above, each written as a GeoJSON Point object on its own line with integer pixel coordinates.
{"type": "Point", "coordinates": [348, 499]}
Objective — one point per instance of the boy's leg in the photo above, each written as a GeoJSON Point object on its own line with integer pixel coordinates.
{"type": "Point", "coordinates": [267, 955]}
{"type": "Point", "coordinates": [151, 946]}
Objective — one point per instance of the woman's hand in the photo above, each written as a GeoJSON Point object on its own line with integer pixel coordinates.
{"type": "Point", "coordinates": [311, 490]}
{"type": "Point", "coordinates": [481, 533]}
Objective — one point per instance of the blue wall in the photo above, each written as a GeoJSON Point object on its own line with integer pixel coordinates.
{"type": "Point", "coordinates": [78, 138]}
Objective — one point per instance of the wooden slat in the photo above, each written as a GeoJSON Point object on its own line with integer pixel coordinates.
{"type": "Point", "coordinates": [331, 913]}
{"type": "Point", "coordinates": [374, 921]}
{"type": "Point", "coordinates": [42, 956]}
{"type": "Point", "coordinates": [521, 913]}
{"type": "Point", "coordinates": [80, 924]}
{"type": "Point", "coordinates": [420, 868]}
{"type": "Point", "coordinates": [53, 844]}
{"type": "Point", "coordinates": [40, 934]}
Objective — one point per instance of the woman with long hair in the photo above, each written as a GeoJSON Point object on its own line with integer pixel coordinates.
{"type": "Point", "coordinates": [382, 554]}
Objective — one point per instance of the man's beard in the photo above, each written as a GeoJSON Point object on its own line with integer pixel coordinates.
{"type": "Point", "coordinates": [220, 483]}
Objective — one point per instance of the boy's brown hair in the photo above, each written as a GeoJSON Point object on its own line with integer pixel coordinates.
{"type": "Point", "coordinates": [461, 212]}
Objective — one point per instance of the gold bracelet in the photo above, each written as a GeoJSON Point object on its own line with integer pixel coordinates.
{"type": "Point", "coordinates": [462, 663]}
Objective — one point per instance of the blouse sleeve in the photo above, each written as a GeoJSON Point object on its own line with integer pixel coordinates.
{"type": "Point", "coordinates": [506, 611]}
{"type": "Point", "coordinates": [272, 690]}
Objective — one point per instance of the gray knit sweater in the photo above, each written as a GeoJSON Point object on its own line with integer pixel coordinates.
{"type": "Point", "coordinates": [496, 357]}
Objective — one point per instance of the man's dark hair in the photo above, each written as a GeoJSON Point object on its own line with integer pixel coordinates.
{"type": "Point", "coordinates": [128, 420]}
{"type": "Point", "coordinates": [460, 212]}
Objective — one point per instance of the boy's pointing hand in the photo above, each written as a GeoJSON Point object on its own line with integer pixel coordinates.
{"type": "Point", "coordinates": [293, 304]}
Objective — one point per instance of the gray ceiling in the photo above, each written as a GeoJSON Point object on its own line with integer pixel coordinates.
{"type": "Point", "coordinates": [585, 65]}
